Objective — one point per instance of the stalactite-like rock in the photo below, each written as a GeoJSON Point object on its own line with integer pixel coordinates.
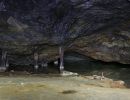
{"type": "Point", "coordinates": [61, 54]}
{"type": "Point", "coordinates": [36, 66]}
{"type": "Point", "coordinates": [44, 64]}
{"type": "Point", "coordinates": [4, 61]}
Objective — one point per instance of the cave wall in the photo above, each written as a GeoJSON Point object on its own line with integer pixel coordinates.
{"type": "Point", "coordinates": [95, 28]}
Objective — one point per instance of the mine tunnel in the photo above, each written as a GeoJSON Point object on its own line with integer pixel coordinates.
{"type": "Point", "coordinates": [64, 49]}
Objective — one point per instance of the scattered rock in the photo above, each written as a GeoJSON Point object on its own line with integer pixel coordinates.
{"type": "Point", "coordinates": [67, 73]}
{"type": "Point", "coordinates": [118, 84]}
{"type": "Point", "coordinates": [107, 82]}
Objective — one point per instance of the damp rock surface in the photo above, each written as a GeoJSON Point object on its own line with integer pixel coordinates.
{"type": "Point", "coordinates": [95, 28]}
{"type": "Point", "coordinates": [58, 88]}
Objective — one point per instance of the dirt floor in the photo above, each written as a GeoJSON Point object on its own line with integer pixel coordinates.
{"type": "Point", "coordinates": [55, 87]}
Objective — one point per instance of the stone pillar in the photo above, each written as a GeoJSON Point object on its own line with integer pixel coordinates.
{"type": "Point", "coordinates": [61, 54]}
{"type": "Point", "coordinates": [4, 61]}
{"type": "Point", "coordinates": [36, 66]}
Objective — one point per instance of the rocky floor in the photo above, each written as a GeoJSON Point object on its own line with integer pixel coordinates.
{"type": "Point", "coordinates": [55, 87]}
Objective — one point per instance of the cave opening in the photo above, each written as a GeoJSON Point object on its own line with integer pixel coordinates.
{"type": "Point", "coordinates": [64, 49]}
{"type": "Point", "coordinates": [83, 65]}
{"type": "Point", "coordinates": [75, 62]}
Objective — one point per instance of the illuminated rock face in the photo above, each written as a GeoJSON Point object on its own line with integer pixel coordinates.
{"type": "Point", "coordinates": [96, 28]}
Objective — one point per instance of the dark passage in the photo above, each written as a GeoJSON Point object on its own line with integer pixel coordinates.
{"type": "Point", "coordinates": [86, 66]}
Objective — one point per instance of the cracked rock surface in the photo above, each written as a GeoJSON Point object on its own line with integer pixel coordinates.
{"type": "Point", "coordinates": [99, 29]}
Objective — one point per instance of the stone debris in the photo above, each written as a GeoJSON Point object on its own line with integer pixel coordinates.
{"type": "Point", "coordinates": [118, 84]}
{"type": "Point", "coordinates": [67, 73]}
{"type": "Point", "coordinates": [107, 82]}
{"type": "Point", "coordinates": [22, 84]}
{"type": "Point", "coordinates": [12, 71]}
{"type": "Point", "coordinates": [2, 69]}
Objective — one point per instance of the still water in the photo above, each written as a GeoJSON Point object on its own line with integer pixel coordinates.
{"type": "Point", "coordinates": [113, 70]}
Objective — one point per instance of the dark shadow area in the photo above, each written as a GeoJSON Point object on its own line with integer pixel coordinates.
{"type": "Point", "coordinates": [31, 70]}
{"type": "Point", "coordinates": [87, 66]}
{"type": "Point", "coordinates": [75, 62]}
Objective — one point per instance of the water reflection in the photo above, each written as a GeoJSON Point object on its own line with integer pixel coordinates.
{"type": "Point", "coordinates": [113, 70]}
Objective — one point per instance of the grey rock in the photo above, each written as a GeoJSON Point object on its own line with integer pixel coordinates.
{"type": "Point", "coordinates": [44, 25]}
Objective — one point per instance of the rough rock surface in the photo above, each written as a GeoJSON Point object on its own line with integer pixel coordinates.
{"type": "Point", "coordinates": [95, 28]}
